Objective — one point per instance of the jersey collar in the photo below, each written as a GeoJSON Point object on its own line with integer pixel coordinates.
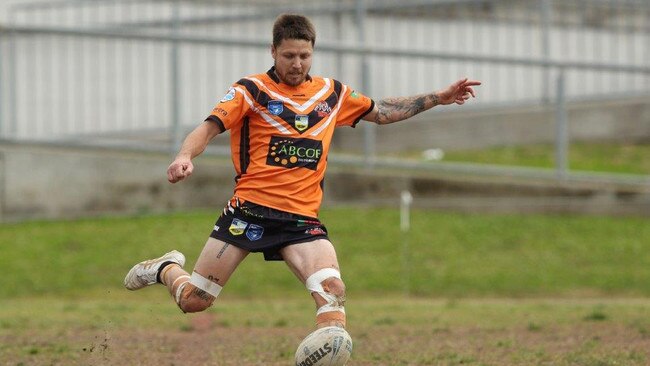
{"type": "Point", "coordinates": [274, 77]}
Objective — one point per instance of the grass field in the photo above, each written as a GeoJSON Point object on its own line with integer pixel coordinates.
{"type": "Point", "coordinates": [482, 290]}
{"type": "Point", "coordinates": [623, 158]}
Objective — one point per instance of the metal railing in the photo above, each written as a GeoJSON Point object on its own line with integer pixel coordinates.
{"type": "Point", "coordinates": [148, 71]}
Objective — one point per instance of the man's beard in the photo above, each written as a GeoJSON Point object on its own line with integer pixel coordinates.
{"type": "Point", "coordinates": [284, 78]}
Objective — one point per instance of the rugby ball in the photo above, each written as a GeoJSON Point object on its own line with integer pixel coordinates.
{"type": "Point", "coordinates": [328, 346]}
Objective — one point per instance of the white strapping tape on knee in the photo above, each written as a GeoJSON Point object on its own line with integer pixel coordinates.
{"type": "Point", "coordinates": [205, 284]}
{"type": "Point", "coordinates": [314, 284]}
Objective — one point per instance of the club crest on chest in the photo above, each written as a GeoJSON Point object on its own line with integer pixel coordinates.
{"type": "Point", "coordinates": [275, 107]}
{"type": "Point", "coordinates": [301, 122]}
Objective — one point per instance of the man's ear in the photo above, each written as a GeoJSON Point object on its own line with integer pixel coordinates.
{"type": "Point", "coordinates": [273, 51]}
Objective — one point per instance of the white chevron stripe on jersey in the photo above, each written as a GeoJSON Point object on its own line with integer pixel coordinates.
{"type": "Point", "coordinates": [264, 116]}
{"type": "Point", "coordinates": [334, 113]}
{"type": "Point", "coordinates": [300, 107]}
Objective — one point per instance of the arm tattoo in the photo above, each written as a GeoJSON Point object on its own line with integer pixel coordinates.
{"type": "Point", "coordinates": [396, 109]}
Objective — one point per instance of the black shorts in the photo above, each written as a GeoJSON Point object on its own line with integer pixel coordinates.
{"type": "Point", "coordinates": [258, 228]}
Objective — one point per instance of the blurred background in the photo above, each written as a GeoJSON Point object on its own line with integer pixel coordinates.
{"type": "Point", "coordinates": [97, 95]}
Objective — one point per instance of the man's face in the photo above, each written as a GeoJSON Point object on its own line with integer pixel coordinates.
{"type": "Point", "coordinates": [292, 60]}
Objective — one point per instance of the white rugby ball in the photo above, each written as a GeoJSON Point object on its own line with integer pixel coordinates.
{"type": "Point", "coordinates": [329, 346]}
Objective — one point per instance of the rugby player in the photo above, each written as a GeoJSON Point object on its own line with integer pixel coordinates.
{"type": "Point", "coordinates": [281, 124]}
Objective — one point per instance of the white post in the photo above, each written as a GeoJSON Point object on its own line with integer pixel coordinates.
{"type": "Point", "coordinates": [405, 227]}
{"type": "Point", "coordinates": [405, 210]}
{"type": "Point", "coordinates": [561, 130]}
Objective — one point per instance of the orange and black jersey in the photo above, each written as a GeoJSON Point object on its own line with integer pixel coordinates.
{"type": "Point", "coordinates": [280, 136]}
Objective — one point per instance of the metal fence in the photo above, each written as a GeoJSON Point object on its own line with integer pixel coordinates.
{"type": "Point", "coordinates": [144, 70]}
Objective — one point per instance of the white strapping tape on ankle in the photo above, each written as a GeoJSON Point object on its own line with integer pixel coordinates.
{"type": "Point", "coordinates": [329, 308]}
{"type": "Point", "coordinates": [205, 284]}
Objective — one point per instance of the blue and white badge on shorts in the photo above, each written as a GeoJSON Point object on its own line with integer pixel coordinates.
{"type": "Point", "coordinates": [254, 232]}
{"type": "Point", "coordinates": [275, 107]}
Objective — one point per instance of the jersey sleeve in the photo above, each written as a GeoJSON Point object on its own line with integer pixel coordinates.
{"type": "Point", "coordinates": [355, 106]}
{"type": "Point", "coordinates": [231, 109]}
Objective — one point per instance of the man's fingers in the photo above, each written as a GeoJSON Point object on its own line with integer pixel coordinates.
{"type": "Point", "coordinates": [179, 171]}
{"type": "Point", "coordinates": [174, 176]}
{"type": "Point", "coordinates": [460, 83]}
{"type": "Point", "coordinates": [468, 83]}
{"type": "Point", "coordinates": [187, 170]}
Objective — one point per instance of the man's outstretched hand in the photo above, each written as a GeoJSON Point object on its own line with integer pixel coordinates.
{"type": "Point", "coordinates": [458, 92]}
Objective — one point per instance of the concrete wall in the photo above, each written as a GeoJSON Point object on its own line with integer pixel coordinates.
{"type": "Point", "coordinates": [45, 182]}
{"type": "Point", "coordinates": [453, 127]}
{"type": "Point", "coordinates": [41, 182]}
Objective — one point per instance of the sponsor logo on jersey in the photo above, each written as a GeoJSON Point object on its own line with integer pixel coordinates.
{"type": "Point", "coordinates": [229, 96]}
{"type": "Point", "coordinates": [291, 152]}
{"type": "Point", "coordinates": [237, 227]}
{"type": "Point", "coordinates": [301, 122]}
{"type": "Point", "coordinates": [323, 109]}
{"type": "Point", "coordinates": [220, 111]}
{"type": "Point", "coordinates": [275, 107]}
{"type": "Point", "coordinates": [254, 232]}
{"type": "Point", "coordinates": [354, 94]}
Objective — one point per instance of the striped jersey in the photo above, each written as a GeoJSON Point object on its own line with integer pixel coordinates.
{"type": "Point", "coordinates": [280, 136]}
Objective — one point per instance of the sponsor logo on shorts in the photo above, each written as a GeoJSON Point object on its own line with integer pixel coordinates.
{"type": "Point", "coordinates": [254, 232]}
{"type": "Point", "coordinates": [290, 152]}
{"type": "Point", "coordinates": [301, 222]}
{"type": "Point", "coordinates": [275, 107]}
{"type": "Point", "coordinates": [315, 231]}
{"type": "Point", "coordinates": [237, 227]}
{"type": "Point", "coordinates": [216, 227]}
{"type": "Point", "coordinates": [229, 96]}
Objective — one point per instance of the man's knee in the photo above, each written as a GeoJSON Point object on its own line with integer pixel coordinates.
{"type": "Point", "coordinates": [194, 300]}
{"type": "Point", "coordinates": [328, 285]}
{"type": "Point", "coordinates": [197, 294]}
{"type": "Point", "coordinates": [336, 287]}
{"type": "Point", "coordinates": [328, 291]}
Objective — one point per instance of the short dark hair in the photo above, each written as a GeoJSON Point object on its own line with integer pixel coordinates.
{"type": "Point", "coordinates": [293, 26]}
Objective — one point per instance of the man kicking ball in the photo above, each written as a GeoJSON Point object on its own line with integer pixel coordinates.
{"type": "Point", "coordinates": [281, 124]}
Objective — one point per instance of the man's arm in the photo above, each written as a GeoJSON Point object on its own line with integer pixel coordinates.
{"type": "Point", "coordinates": [194, 144]}
{"type": "Point", "coordinates": [391, 110]}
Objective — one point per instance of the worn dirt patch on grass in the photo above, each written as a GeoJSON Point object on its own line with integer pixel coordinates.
{"type": "Point", "coordinates": [205, 342]}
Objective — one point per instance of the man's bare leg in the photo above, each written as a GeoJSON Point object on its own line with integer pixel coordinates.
{"type": "Point", "coordinates": [315, 264]}
{"type": "Point", "coordinates": [195, 292]}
